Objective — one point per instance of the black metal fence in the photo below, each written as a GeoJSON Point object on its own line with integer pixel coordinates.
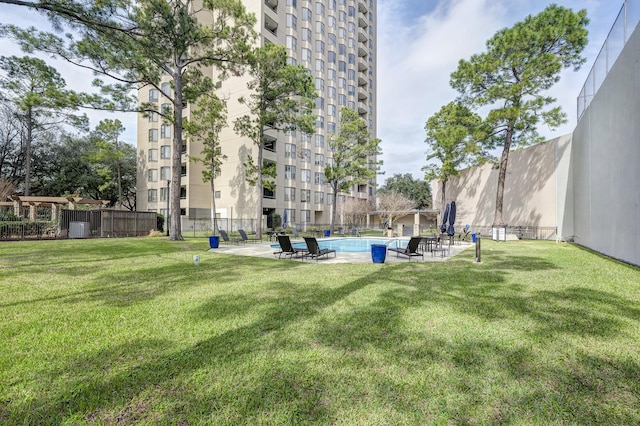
{"type": "Point", "coordinates": [522, 232]}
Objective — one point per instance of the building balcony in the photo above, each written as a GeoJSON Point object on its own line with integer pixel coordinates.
{"type": "Point", "coordinates": [363, 37]}
{"type": "Point", "coordinates": [362, 108]}
{"type": "Point", "coordinates": [362, 94]}
{"type": "Point", "coordinates": [362, 6]}
{"type": "Point", "coordinates": [271, 25]}
{"type": "Point", "coordinates": [272, 4]}
{"type": "Point", "coordinates": [362, 22]}
{"type": "Point", "coordinates": [362, 65]}
{"type": "Point", "coordinates": [362, 51]}
{"type": "Point", "coordinates": [362, 81]}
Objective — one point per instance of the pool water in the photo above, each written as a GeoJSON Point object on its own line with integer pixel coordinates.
{"type": "Point", "coordinates": [350, 245]}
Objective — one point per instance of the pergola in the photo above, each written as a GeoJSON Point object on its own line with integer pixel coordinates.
{"type": "Point", "coordinates": [54, 203]}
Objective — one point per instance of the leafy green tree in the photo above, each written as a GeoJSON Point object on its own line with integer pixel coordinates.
{"type": "Point", "coordinates": [281, 99]}
{"type": "Point", "coordinates": [138, 45]}
{"type": "Point", "coordinates": [204, 126]}
{"type": "Point", "coordinates": [451, 141]}
{"type": "Point", "coordinates": [38, 91]}
{"type": "Point", "coordinates": [110, 152]}
{"type": "Point", "coordinates": [354, 156]}
{"type": "Point", "coordinates": [417, 190]}
{"type": "Point", "coordinates": [511, 78]}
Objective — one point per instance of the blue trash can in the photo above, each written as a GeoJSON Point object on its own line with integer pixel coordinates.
{"type": "Point", "coordinates": [327, 233]}
{"type": "Point", "coordinates": [214, 241]}
{"type": "Point", "coordinates": [378, 253]}
{"type": "Point", "coordinates": [473, 238]}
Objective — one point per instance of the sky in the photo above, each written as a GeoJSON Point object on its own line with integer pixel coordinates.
{"type": "Point", "coordinates": [420, 43]}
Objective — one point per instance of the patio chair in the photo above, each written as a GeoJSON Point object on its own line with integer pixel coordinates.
{"type": "Point", "coordinates": [295, 233]}
{"type": "Point", "coordinates": [355, 232]}
{"type": "Point", "coordinates": [245, 239]}
{"type": "Point", "coordinates": [287, 249]}
{"type": "Point", "coordinates": [411, 250]}
{"type": "Point", "coordinates": [314, 251]}
{"type": "Point", "coordinates": [226, 239]}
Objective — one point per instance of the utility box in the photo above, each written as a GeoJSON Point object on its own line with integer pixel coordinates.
{"type": "Point", "coordinates": [79, 230]}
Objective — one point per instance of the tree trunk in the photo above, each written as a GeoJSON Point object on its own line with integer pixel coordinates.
{"type": "Point", "coordinates": [175, 232]}
{"type": "Point", "coordinates": [259, 185]}
{"type": "Point", "coordinates": [334, 207]}
{"type": "Point", "coordinates": [214, 222]}
{"type": "Point", "coordinates": [504, 159]}
{"type": "Point", "coordinates": [27, 155]}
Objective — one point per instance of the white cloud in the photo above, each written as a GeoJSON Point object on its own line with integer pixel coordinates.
{"type": "Point", "coordinates": [415, 62]}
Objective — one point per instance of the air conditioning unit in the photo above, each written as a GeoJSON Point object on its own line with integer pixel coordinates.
{"type": "Point", "coordinates": [79, 230]}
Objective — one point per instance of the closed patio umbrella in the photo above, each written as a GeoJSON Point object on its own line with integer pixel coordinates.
{"type": "Point", "coordinates": [284, 219]}
{"type": "Point", "coordinates": [445, 217]}
{"type": "Point", "coordinates": [452, 218]}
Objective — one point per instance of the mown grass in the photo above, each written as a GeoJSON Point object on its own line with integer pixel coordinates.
{"type": "Point", "coordinates": [129, 331]}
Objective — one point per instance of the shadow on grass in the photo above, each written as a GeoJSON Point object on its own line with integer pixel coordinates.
{"type": "Point", "coordinates": [411, 342]}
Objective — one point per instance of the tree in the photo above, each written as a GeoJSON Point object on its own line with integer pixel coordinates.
{"type": "Point", "coordinates": [204, 126]}
{"type": "Point", "coordinates": [135, 43]}
{"type": "Point", "coordinates": [110, 153]}
{"type": "Point", "coordinates": [450, 137]}
{"type": "Point", "coordinates": [417, 190]}
{"type": "Point", "coordinates": [281, 99]}
{"type": "Point", "coordinates": [354, 154]}
{"type": "Point", "coordinates": [511, 77]}
{"type": "Point", "coordinates": [10, 149]}
{"type": "Point", "coordinates": [37, 90]}
{"type": "Point", "coordinates": [393, 205]}
{"type": "Point", "coordinates": [355, 211]}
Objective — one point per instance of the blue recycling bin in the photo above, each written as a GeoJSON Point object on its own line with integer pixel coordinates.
{"type": "Point", "coordinates": [378, 253]}
{"type": "Point", "coordinates": [473, 238]}
{"type": "Point", "coordinates": [327, 233]}
{"type": "Point", "coordinates": [214, 241]}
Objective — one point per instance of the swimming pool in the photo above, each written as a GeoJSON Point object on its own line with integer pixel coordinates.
{"type": "Point", "coordinates": [349, 245]}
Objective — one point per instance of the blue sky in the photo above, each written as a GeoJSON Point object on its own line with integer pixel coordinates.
{"type": "Point", "coordinates": [419, 44]}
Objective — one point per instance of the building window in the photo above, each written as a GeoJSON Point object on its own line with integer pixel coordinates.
{"type": "Point", "coordinates": [342, 66]}
{"type": "Point", "coordinates": [319, 65]}
{"type": "Point", "coordinates": [306, 34]}
{"type": "Point", "coordinates": [306, 14]}
{"type": "Point", "coordinates": [331, 58]}
{"type": "Point", "coordinates": [305, 175]}
{"type": "Point", "coordinates": [342, 100]}
{"type": "Point", "coordinates": [331, 110]}
{"type": "Point", "coordinates": [165, 151]}
{"type": "Point", "coordinates": [291, 215]}
{"type": "Point", "coordinates": [319, 46]}
{"type": "Point", "coordinates": [319, 160]}
{"type": "Point", "coordinates": [216, 194]}
{"type": "Point", "coordinates": [153, 135]}
{"type": "Point", "coordinates": [153, 117]}
{"type": "Point", "coordinates": [331, 92]}
{"type": "Point", "coordinates": [164, 194]}
{"type": "Point", "coordinates": [342, 83]}
{"type": "Point", "coordinates": [291, 43]}
{"type": "Point", "coordinates": [165, 109]}
{"type": "Point", "coordinates": [153, 155]}
{"type": "Point", "coordinates": [183, 192]}
{"type": "Point", "coordinates": [165, 131]}
{"type": "Point", "coordinates": [183, 169]}
{"type": "Point", "coordinates": [152, 195]}
{"type": "Point", "coordinates": [289, 193]}
{"type": "Point", "coordinates": [152, 175]}
{"type": "Point", "coordinates": [319, 178]}
{"type": "Point", "coordinates": [289, 150]}
{"type": "Point", "coordinates": [342, 49]}
{"type": "Point", "coordinates": [154, 95]}
{"type": "Point", "coordinates": [319, 197]}
{"type": "Point", "coordinates": [320, 122]}
{"type": "Point", "coordinates": [289, 172]}
{"type": "Point", "coordinates": [166, 89]}
{"type": "Point", "coordinates": [319, 102]}
{"type": "Point", "coordinates": [331, 127]}
{"type": "Point", "coordinates": [305, 195]}
{"type": "Point", "coordinates": [319, 84]}
{"type": "Point", "coordinates": [330, 199]}
{"type": "Point", "coordinates": [305, 216]}
{"type": "Point", "coordinates": [320, 141]}
{"type": "Point", "coordinates": [292, 3]}
{"type": "Point", "coordinates": [331, 74]}
{"type": "Point", "coordinates": [292, 21]}
{"type": "Point", "coordinates": [319, 8]}
{"type": "Point", "coordinates": [305, 55]}
{"type": "Point", "coordinates": [165, 173]}
{"type": "Point", "coordinates": [319, 28]}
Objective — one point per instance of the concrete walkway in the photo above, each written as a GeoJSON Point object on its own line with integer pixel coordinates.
{"type": "Point", "coordinates": [264, 249]}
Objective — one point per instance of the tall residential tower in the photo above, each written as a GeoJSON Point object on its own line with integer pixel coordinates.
{"type": "Point", "coordinates": [336, 41]}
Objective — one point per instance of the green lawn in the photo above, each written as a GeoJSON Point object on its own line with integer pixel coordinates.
{"type": "Point", "coordinates": [129, 331]}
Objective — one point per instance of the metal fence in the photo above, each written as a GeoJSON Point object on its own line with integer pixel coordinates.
{"type": "Point", "coordinates": [522, 232]}
{"type": "Point", "coordinates": [620, 32]}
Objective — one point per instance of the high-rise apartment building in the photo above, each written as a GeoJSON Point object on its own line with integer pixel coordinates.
{"type": "Point", "coordinates": [336, 41]}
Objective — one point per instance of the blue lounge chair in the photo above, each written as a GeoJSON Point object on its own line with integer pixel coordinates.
{"type": "Point", "coordinates": [314, 251]}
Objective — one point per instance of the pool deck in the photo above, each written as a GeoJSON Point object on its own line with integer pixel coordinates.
{"type": "Point", "coordinates": [264, 249]}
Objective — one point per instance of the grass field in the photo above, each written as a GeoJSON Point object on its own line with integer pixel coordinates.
{"type": "Point", "coordinates": [129, 331]}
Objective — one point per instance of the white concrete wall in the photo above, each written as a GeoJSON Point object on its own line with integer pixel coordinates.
{"type": "Point", "coordinates": [606, 162]}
